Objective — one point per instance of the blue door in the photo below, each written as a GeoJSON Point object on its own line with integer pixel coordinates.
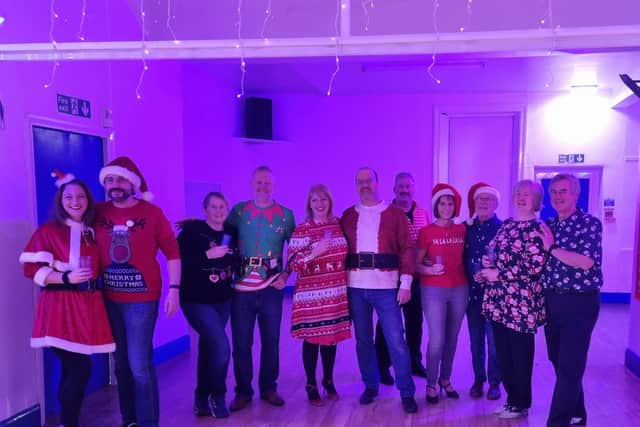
{"type": "Point", "coordinates": [81, 155]}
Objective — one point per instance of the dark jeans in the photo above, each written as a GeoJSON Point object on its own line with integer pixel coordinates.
{"type": "Point", "coordinates": [76, 369]}
{"type": "Point", "coordinates": [210, 321]}
{"type": "Point", "coordinates": [132, 324]}
{"type": "Point", "coordinates": [266, 306]}
{"type": "Point", "coordinates": [570, 322]}
{"type": "Point", "coordinates": [515, 352]}
{"type": "Point", "coordinates": [413, 330]}
{"type": "Point", "coordinates": [362, 302]}
{"type": "Point", "coordinates": [479, 328]}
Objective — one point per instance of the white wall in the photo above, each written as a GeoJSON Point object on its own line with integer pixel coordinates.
{"type": "Point", "coordinates": [150, 131]}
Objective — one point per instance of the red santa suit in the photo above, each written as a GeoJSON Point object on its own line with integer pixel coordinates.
{"type": "Point", "coordinates": [379, 229]}
{"type": "Point", "coordinates": [72, 320]}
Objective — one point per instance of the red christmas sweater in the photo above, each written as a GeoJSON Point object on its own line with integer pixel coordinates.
{"type": "Point", "coordinates": [447, 242]}
{"type": "Point", "coordinates": [129, 240]}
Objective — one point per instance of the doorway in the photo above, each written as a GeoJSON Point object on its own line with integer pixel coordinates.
{"type": "Point", "coordinates": [82, 155]}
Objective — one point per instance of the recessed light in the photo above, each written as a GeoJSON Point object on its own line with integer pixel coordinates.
{"type": "Point", "coordinates": [2, 20]}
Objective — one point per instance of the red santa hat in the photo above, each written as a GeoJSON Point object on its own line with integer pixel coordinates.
{"type": "Point", "coordinates": [61, 177]}
{"type": "Point", "coordinates": [124, 167]}
{"type": "Point", "coordinates": [476, 190]}
{"type": "Point", "coordinates": [440, 190]}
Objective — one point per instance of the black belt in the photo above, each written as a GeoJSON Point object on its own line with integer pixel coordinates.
{"type": "Point", "coordinates": [370, 261]}
{"type": "Point", "coordinates": [89, 285]}
{"type": "Point", "coordinates": [571, 291]}
{"type": "Point", "coordinates": [256, 261]}
{"type": "Point", "coordinates": [271, 265]}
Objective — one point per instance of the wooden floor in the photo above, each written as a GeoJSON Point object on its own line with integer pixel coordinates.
{"type": "Point", "coordinates": [611, 392]}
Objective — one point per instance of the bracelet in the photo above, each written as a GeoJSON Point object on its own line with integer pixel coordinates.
{"type": "Point", "coordinates": [174, 286]}
{"type": "Point", "coordinates": [65, 278]}
{"type": "Point", "coordinates": [552, 247]}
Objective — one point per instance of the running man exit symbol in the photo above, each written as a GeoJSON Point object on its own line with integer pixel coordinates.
{"type": "Point", "coordinates": [74, 106]}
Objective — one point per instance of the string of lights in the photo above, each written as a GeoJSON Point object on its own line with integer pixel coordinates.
{"type": "Point", "coordinates": [335, 38]}
{"type": "Point", "coordinates": [145, 51]}
{"type": "Point", "coordinates": [243, 64]}
{"type": "Point", "coordinates": [436, 6]}
{"type": "Point", "coordinates": [56, 63]}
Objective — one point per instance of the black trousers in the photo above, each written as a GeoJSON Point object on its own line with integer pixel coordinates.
{"type": "Point", "coordinates": [514, 351]}
{"type": "Point", "coordinates": [413, 330]}
{"type": "Point", "coordinates": [76, 369]}
{"type": "Point", "coordinates": [570, 322]}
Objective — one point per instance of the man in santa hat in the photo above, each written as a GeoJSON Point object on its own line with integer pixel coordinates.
{"type": "Point", "coordinates": [130, 231]}
{"type": "Point", "coordinates": [482, 226]}
{"type": "Point", "coordinates": [381, 253]}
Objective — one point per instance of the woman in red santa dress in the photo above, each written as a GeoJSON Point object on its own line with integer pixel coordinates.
{"type": "Point", "coordinates": [62, 257]}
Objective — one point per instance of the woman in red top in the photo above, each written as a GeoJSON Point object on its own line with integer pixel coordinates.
{"type": "Point", "coordinates": [444, 287]}
{"type": "Point", "coordinates": [62, 257]}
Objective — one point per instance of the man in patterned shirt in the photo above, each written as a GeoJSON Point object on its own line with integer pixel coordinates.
{"type": "Point", "coordinates": [572, 279]}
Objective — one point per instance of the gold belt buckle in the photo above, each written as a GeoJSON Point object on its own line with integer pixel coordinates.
{"type": "Point", "coordinates": [255, 261]}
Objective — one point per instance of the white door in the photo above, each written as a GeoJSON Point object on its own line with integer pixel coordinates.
{"type": "Point", "coordinates": [483, 148]}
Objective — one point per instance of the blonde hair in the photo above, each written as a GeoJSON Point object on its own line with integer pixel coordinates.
{"type": "Point", "coordinates": [319, 189]}
{"type": "Point", "coordinates": [536, 191]}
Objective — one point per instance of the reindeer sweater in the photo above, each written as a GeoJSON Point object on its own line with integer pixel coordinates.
{"type": "Point", "coordinates": [129, 240]}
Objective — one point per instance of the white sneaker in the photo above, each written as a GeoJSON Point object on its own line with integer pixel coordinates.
{"type": "Point", "coordinates": [512, 412]}
{"type": "Point", "coordinates": [500, 409]}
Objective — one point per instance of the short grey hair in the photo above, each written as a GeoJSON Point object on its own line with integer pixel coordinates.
{"type": "Point", "coordinates": [536, 190]}
{"type": "Point", "coordinates": [573, 181]}
{"type": "Point", "coordinates": [367, 168]}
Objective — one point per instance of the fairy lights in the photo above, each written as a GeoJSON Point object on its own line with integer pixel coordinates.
{"type": "Point", "coordinates": [170, 17]}
{"type": "Point", "coordinates": [243, 64]}
{"type": "Point", "coordinates": [145, 51]}
{"type": "Point", "coordinates": [268, 16]}
{"type": "Point", "coordinates": [366, 5]}
{"type": "Point", "coordinates": [436, 6]}
{"type": "Point", "coordinates": [335, 38]}
{"type": "Point", "coordinates": [83, 14]}
{"type": "Point", "coordinates": [469, 13]}
{"type": "Point", "coordinates": [56, 63]}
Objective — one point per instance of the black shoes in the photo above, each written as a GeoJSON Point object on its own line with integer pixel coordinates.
{"type": "Point", "coordinates": [476, 389]}
{"type": "Point", "coordinates": [330, 388]}
{"type": "Point", "coordinates": [418, 370]}
{"type": "Point", "coordinates": [494, 392]}
{"type": "Point", "coordinates": [385, 377]}
{"type": "Point", "coordinates": [432, 395]}
{"type": "Point", "coordinates": [201, 407]}
{"type": "Point", "coordinates": [448, 389]}
{"type": "Point", "coordinates": [367, 396]}
{"type": "Point", "coordinates": [409, 405]}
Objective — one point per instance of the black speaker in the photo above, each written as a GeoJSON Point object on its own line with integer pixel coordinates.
{"type": "Point", "coordinates": [257, 118]}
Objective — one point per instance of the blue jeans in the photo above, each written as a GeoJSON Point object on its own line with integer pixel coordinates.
{"type": "Point", "coordinates": [266, 306]}
{"type": "Point", "coordinates": [132, 324]}
{"type": "Point", "coordinates": [444, 310]}
{"type": "Point", "coordinates": [362, 303]}
{"type": "Point", "coordinates": [209, 321]}
{"type": "Point", "coordinates": [479, 327]}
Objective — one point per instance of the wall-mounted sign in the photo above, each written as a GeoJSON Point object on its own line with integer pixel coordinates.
{"type": "Point", "coordinates": [74, 106]}
{"type": "Point", "coordinates": [571, 158]}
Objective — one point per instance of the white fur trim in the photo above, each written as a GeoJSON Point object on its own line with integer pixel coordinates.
{"type": "Point", "coordinates": [405, 281]}
{"type": "Point", "coordinates": [487, 190]}
{"type": "Point", "coordinates": [74, 243]}
{"type": "Point", "coordinates": [147, 196]}
{"type": "Point", "coordinates": [443, 192]}
{"type": "Point", "coordinates": [72, 346]}
{"type": "Point", "coordinates": [41, 275]}
{"type": "Point", "coordinates": [65, 179]}
{"type": "Point", "coordinates": [41, 256]}
{"type": "Point", "coordinates": [120, 171]}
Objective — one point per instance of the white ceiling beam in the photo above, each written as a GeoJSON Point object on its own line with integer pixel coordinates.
{"type": "Point", "coordinates": [520, 42]}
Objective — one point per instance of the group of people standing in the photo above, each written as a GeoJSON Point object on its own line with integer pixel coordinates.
{"type": "Point", "coordinates": [508, 278]}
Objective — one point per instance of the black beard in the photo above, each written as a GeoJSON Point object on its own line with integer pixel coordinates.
{"type": "Point", "coordinates": [125, 194]}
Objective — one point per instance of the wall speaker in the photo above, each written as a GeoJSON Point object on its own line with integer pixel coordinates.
{"type": "Point", "coordinates": [257, 118]}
